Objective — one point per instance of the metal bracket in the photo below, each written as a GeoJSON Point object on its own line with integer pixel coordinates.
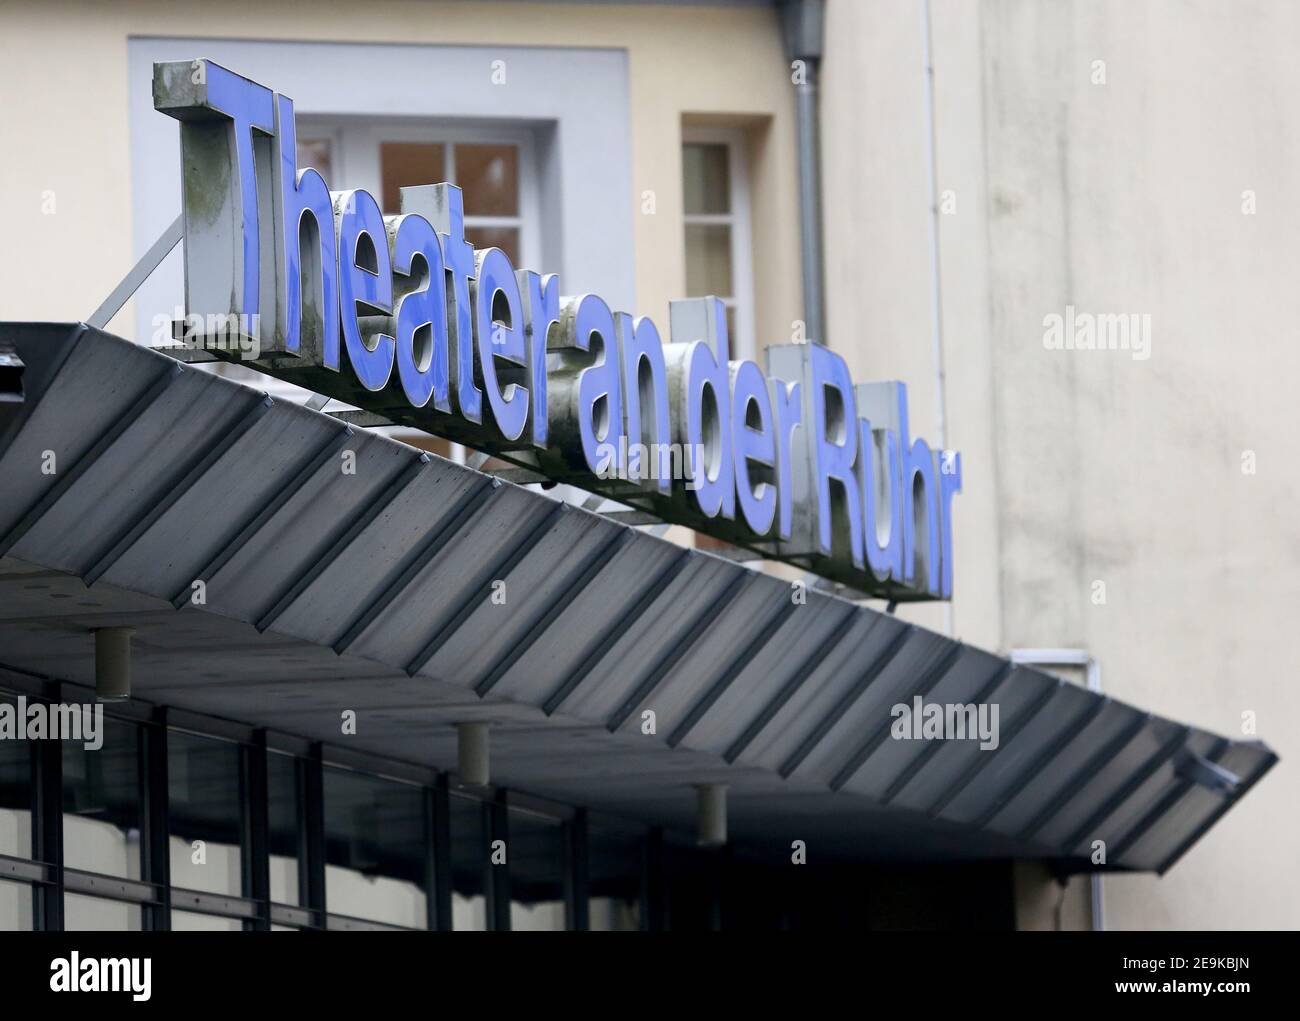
{"type": "Point", "coordinates": [149, 262]}
{"type": "Point", "coordinates": [187, 355]}
{"type": "Point", "coordinates": [361, 419]}
{"type": "Point", "coordinates": [1200, 770]}
{"type": "Point", "coordinates": [520, 476]}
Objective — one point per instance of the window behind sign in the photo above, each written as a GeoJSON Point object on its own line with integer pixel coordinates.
{"type": "Point", "coordinates": [715, 198]}
{"type": "Point", "coordinates": [715, 212]}
{"type": "Point", "coordinates": [493, 165]}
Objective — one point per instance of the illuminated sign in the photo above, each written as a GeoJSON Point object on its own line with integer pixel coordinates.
{"type": "Point", "coordinates": [797, 463]}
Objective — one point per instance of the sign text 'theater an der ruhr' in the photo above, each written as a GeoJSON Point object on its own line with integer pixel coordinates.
{"type": "Point", "coordinates": [798, 463]}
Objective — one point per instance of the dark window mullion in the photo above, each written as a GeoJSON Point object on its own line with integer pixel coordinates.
{"type": "Point", "coordinates": [497, 879]}
{"type": "Point", "coordinates": [311, 864]}
{"type": "Point", "coordinates": [47, 827]}
{"type": "Point", "coordinates": [438, 855]}
{"type": "Point", "coordinates": [255, 855]}
{"type": "Point", "coordinates": [155, 852]}
{"type": "Point", "coordinates": [654, 892]}
{"type": "Point", "coordinates": [577, 901]}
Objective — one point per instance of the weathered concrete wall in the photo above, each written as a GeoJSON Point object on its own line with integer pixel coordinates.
{"type": "Point", "coordinates": [1088, 467]}
{"type": "Point", "coordinates": [67, 63]}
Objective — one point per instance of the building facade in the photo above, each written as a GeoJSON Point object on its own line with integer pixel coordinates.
{"type": "Point", "coordinates": [977, 170]}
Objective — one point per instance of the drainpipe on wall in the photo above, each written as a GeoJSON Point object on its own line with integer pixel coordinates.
{"type": "Point", "coordinates": [802, 27]}
{"type": "Point", "coordinates": [936, 285]}
{"type": "Point", "coordinates": [932, 183]}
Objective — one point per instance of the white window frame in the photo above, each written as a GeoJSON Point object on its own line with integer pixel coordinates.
{"type": "Point", "coordinates": [354, 163]}
{"type": "Point", "coordinates": [580, 106]}
{"type": "Point", "coordinates": [354, 154]}
{"type": "Point", "coordinates": [744, 343]}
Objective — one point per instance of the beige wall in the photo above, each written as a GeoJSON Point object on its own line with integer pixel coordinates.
{"type": "Point", "coordinates": [1045, 905]}
{"type": "Point", "coordinates": [74, 122]}
{"type": "Point", "coordinates": [1089, 466]}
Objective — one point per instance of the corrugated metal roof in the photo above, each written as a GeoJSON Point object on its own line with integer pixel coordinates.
{"type": "Point", "coordinates": [371, 591]}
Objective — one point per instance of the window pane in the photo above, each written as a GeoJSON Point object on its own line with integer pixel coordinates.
{"type": "Point", "coordinates": [203, 788]}
{"type": "Point", "coordinates": [489, 177]}
{"type": "Point", "coordinates": [96, 914]}
{"type": "Point", "coordinates": [285, 826]}
{"type": "Point", "coordinates": [15, 795]}
{"type": "Point", "coordinates": [407, 164]}
{"type": "Point", "coordinates": [374, 849]}
{"type": "Point", "coordinates": [693, 879]}
{"type": "Point", "coordinates": [189, 921]}
{"type": "Point", "coordinates": [505, 238]}
{"type": "Point", "coordinates": [616, 872]}
{"type": "Point", "coordinates": [469, 862]}
{"type": "Point", "coordinates": [102, 812]}
{"type": "Point", "coordinates": [706, 178]}
{"type": "Point", "coordinates": [537, 859]}
{"type": "Point", "coordinates": [708, 260]}
{"type": "Point", "coordinates": [315, 153]}
{"type": "Point", "coordinates": [15, 907]}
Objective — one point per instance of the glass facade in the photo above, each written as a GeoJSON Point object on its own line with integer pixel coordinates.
{"type": "Point", "coordinates": [285, 834]}
{"type": "Point", "coordinates": [192, 921]}
{"type": "Point", "coordinates": [692, 883]}
{"type": "Point", "coordinates": [537, 848]}
{"type": "Point", "coordinates": [215, 826]}
{"type": "Point", "coordinates": [204, 798]}
{"type": "Point", "coordinates": [616, 856]}
{"type": "Point", "coordinates": [103, 802]}
{"type": "Point", "coordinates": [15, 907]}
{"type": "Point", "coordinates": [375, 866]}
{"type": "Point", "coordinates": [99, 914]}
{"type": "Point", "coordinates": [470, 868]}
{"type": "Point", "coordinates": [171, 827]}
{"type": "Point", "coordinates": [15, 798]}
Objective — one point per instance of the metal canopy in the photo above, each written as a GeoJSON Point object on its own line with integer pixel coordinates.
{"type": "Point", "coordinates": [371, 591]}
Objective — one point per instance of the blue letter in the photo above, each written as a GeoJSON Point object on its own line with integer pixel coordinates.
{"type": "Point", "coordinates": [949, 486]}
{"type": "Point", "coordinates": [458, 254]}
{"type": "Point", "coordinates": [586, 402]}
{"type": "Point", "coordinates": [500, 336]}
{"type": "Point", "coordinates": [365, 279]}
{"type": "Point", "coordinates": [918, 471]}
{"type": "Point", "coordinates": [222, 224]}
{"type": "Point", "coordinates": [702, 323]}
{"type": "Point", "coordinates": [421, 313]}
{"type": "Point", "coordinates": [645, 401]}
{"type": "Point", "coordinates": [882, 503]}
{"type": "Point", "coordinates": [541, 312]}
{"type": "Point", "coordinates": [305, 208]}
{"type": "Point", "coordinates": [600, 402]}
{"type": "Point", "coordinates": [787, 408]}
{"type": "Point", "coordinates": [249, 106]}
{"type": "Point", "coordinates": [755, 446]}
{"type": "Point", "coordinates": [835, 445]}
